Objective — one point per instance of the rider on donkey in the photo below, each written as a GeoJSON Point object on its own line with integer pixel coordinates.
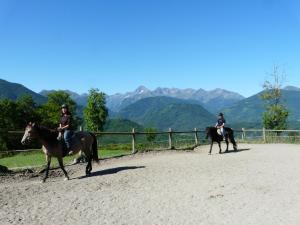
{"type": "Point", "coordinates": [65, 126]}
{"type": "Point", "coordinates": [221, 123]}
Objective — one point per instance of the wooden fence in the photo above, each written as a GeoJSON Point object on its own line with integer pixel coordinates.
{"type": "Point", "coordinates": [264, 134]}
{"type": "Point", "coordinates": [170, 134]}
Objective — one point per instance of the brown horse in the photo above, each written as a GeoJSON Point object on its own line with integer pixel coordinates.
{"type": "Point", "coordinates": [81, 141]}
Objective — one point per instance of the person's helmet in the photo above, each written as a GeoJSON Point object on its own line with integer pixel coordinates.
{"type": "Point", "coordinates": [64, 106]}
{"type": "Point", "coordinates": [221, 114]}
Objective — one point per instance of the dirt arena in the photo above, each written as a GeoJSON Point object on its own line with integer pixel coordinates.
{"type": "Point", "coordinates": [258, 185]}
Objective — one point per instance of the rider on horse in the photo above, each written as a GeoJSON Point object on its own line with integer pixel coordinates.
{"type": "Point", "coordinates": [221, 123]}
{"type": "Point", "coordinates": [65, 125]}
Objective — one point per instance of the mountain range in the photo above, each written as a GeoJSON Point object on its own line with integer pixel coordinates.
{"type": "Point", "coordinates": [166, 112]}
{"type": "Point", "coordinates": [252, 108]}
{"type": "Point", "coordinates": [14, 91]}
{"type": "Point", "coordinates": [213, 100]}
{"type": "Point", "coordinates": [176, 108]}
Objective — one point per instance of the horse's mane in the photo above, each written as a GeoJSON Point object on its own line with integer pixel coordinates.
{"type": "Point", "coordinates": [47, 134]}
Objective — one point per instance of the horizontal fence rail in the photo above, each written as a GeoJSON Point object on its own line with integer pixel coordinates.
{"type": "Point", "coordinates": [243, 135]}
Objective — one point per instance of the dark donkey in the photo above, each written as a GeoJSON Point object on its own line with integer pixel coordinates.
{"type": "Point", "coordinates": [212, 133]}
{"type": "Point", "coordinates": [81, 141]}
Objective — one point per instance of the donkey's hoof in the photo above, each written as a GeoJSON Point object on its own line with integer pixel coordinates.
{"type": "Point", "coordinates": [66, 179]}
{"type": "Point", "coordinates": [43, 181]}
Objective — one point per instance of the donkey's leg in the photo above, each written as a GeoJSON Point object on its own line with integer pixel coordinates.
{"type": "Point", "coordinates": [61, 164]}
{"type": "Point", "coordinates": [48, 158]}
{"type": "Point", "coordinates": [219, 143]}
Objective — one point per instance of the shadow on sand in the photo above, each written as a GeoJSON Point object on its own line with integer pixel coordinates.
{"type": "Point", "coordinates": [239, 150]}
{"type": "Point", "coordinates": [112, 171]}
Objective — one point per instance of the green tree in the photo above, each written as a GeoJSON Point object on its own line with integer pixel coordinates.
{"type": "Point", "coordinates": [95, 113]}
{"type": "Point", "coordinates": [15, 116]}
{"type": "Point", "coordinates": [8, 114]}
{"type": "Point", "coordinates": [50, 111]}
{"type": "Point", "coordinates": [150, 136]}
{"type": "Point", "coordinates": [26, 111]}
{"type": "Point", "coordinates": [276, 114]}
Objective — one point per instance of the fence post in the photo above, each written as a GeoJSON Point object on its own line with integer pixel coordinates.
{"type": "Point", "coordinates": [196, 137]}
{"type": "Point", "coordinates": [133, 141]}
{"type": "Point", "coordinates": [170, 139]}
{"type": "Point", "coordinates": [243, 134]}
{"type": "Point", "coordinates": [264, 135]}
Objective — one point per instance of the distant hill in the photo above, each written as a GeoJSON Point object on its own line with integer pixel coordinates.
{"type": "Point", "coordinates": [80, 100]}
{"type": "Point", "coordinates": [212, 100]}
{"type": "Point", "coordinates": [13, 91]}
{"type": "Point", "coordinates": [119, 125]}
{"type": "Point", "coordinates": [291, 88]}
{"type": "Point", "coordinates": [166, 112]}
{"type": "Point", "coordinates": [122, 125]}
{"type": "Point", "coordinates": [250, 110]}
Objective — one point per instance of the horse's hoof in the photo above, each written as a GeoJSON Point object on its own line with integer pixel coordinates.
{"type": "Point", "coordinates": [66, 179]}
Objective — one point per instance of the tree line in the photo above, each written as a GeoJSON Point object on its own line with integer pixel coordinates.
{"type": "Point", "coordinates": [15, 115]}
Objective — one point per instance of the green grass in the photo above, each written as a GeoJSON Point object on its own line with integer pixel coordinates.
{"type": "Point", "coordinates": [37, 158]}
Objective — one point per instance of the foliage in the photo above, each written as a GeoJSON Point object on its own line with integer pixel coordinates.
{"type": "Point", "coordinates": [150, 136]}
{"type": "Point", "coordinates": [50, 111]}
{"type": "Point", "coordinates": [15, 116]}
{"type": "Point", "coordinates": [95, 113]}
{"type": "Point", "coordinates": [276, 115]}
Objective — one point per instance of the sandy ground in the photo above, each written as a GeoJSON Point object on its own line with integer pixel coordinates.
{"type": "Point", "coordinates": [258, 185]}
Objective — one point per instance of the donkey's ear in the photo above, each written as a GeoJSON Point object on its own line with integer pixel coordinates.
{"type": "Point", "coordinates": [33, 125]}
{"type": "Point", "coordinates": [29, 123]}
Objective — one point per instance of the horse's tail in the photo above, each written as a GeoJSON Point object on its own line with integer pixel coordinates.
{"type": "Point", "coordinates": [95, 156]}
{"type": "Point", "coordinates": [231, 138]}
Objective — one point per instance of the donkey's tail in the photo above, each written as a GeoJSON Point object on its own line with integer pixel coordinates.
{"type": "Point", "coordinates": [95, 156]}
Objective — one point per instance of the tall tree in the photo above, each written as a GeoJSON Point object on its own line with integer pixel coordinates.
{"type": "Point", "coordinates": [26, 111]}
{"type": "Point", "coordinates": [276, 114]}
{"type": "Point", "coordinates": [50, 111]}
{"type": "Point", "coordinates": [95, 113]}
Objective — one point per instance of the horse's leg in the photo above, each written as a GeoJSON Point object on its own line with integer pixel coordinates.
{"type": "Point", "coordinates": [233, 142]}
{"type": "Point", "coordinates": [61, 164]}
{"type": "Point", "coordinates": [48, 158]}
{"type": "Point", "coordinates": [211, 145]}
{"type": "Point", "coordinates": [227, 143]}
{"type": "Point", "coordinates": [219, 143]}
{"type": "Point", "coordinates": [88, 168]}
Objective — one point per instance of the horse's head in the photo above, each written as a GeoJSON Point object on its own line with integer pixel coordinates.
{"type": "Point", "coordinates": [30, 133]}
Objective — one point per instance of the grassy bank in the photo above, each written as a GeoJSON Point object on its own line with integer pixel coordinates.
{"type": "Point", "coordinates": [37, 158]}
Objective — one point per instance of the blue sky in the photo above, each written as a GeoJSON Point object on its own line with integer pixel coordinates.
{"type": "Point", "coordinates": [118, 45]}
